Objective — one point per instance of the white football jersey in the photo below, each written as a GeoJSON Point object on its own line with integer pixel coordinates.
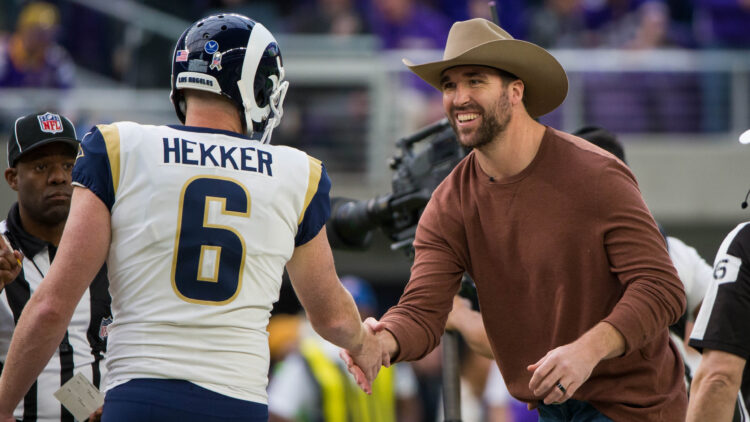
{"type": "Point", "coordinates": [203, 223]}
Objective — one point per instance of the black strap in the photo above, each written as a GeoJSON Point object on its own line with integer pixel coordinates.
{"type": "Point", "coordinates": [18, 293]}
{"type": "Point", "coordinates": [29, 405]}
{"type": "Point", "coordinates": [66, 372]}
{"type": "Point", "coordinates": [96, 374]}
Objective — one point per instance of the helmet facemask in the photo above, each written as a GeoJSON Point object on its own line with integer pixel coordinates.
{"type": "Point", "coordinates": [276, 102]}
{"type": "Point", "coordinates": [262, 85]}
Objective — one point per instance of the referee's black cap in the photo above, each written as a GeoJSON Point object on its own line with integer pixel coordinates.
{"type": "Point", "coordinates": [37, 129]}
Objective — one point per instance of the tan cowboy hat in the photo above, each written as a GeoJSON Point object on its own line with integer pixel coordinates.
{"type": "Point", "coordinates": [480, 42]}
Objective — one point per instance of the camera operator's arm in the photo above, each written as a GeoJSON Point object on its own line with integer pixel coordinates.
{"type": "Point", "coordinates": [469, 323]}
{"type": "Point", "coordinates": [330, 308]}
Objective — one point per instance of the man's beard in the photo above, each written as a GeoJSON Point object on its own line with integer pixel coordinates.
{"type": "Point", "coordinates": [494, 121]}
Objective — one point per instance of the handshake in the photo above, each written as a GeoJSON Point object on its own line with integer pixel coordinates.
{"type": "Point", "coordinates": [376, 350]}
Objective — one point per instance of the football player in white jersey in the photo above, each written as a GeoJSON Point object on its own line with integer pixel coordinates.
{"type": "Point", "coordinates": [196, 224]}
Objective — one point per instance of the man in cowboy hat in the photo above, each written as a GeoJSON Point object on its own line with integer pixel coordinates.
{"type": "Point", "coordinates": [575, 284]}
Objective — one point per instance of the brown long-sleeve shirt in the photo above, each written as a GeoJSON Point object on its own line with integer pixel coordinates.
{"type": "Point", "coordinates": [554, 250]}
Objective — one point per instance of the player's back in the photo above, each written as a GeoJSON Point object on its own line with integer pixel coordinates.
{"type": "Point", "coordinates": [203, 222]}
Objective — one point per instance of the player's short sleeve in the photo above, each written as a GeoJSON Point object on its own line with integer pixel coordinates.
{"type": "Point", "coordinates": [93, 169]}
{"type": "Point", "coordinates": [722, 321]}
{"type": "Point", "coordinates": [317, 207]}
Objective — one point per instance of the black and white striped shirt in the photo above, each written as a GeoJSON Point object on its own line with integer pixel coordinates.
{"type": "Point", "coordinates": [82, 348]}
{"type": "Point", "coordinates": [722, 323]}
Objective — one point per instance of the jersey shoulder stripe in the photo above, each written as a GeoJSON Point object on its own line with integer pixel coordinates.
{"type": "Point", "coordinates": [111, 136]}
{"type": "Point", "coordinates": [312, 185]}
{"type": "Point", "coordinates": [317, 205]}
{"type": "Point", "coordinates": [92, 167]}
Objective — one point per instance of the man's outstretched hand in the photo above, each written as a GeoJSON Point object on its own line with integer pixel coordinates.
{"type": "Point", "coordinates": [376, 351]}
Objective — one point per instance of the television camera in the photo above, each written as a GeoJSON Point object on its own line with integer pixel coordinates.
{"type": "Point", "coordinates": [424, 159]}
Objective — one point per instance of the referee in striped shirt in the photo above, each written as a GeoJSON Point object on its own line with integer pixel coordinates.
{"type": "Point", "coordinates": [41, 153]}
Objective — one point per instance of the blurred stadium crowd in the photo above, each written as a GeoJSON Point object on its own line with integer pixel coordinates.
{"type": "Point", "coordinates": [97, 42]}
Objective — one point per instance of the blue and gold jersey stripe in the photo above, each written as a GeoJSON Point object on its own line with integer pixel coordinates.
{"type": "Point", "coordinates": [317, 206]}
{"type": "Point", "coordinates": [111, 136]}
{"type": "Point", "coordinates": [312, 185]}
{"type": "Point", "coordinates": [97, 165]}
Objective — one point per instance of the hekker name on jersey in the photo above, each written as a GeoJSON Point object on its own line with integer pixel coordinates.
{"type": "Point", "coordinates": [722, 323]}
{"type": "Point", "coordinates": [183, 151]}
{"type": "Point", "coordinates": [203, 222]}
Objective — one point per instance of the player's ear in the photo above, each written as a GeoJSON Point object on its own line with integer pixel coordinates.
{"type": "Point", "coordinates": [11, 176]}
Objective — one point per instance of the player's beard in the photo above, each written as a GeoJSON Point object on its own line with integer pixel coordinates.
{"type": "Point", "coordinates": [494, 121]}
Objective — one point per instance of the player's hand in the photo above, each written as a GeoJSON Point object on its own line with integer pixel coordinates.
{"type": "Point", "coordinates": [561, 372]}
{"type": "Point", "coordinates": [374, 324]}
{"type": "Point", "coordinates": [461, 306]}
{"type": "Point", "coordinates": [10, 263]}
{"type": "Point", "coordinates": [379, 329]}
{"type": "Point", "coordinates": [364, 364]}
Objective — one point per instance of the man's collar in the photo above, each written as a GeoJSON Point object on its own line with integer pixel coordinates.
{"type": "Point", "coordinates": [29, 245]}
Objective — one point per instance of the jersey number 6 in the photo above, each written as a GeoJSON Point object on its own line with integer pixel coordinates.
{"type": "Point", "coordinates": [209, 256]}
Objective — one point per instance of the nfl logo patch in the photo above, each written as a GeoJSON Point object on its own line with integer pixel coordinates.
{"type": "Point", "coordinates": [104, 327]}
{"type": "Point", "coordinates": [50, 123]}
{"type": "Point", "coordinates": [181, 56]}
